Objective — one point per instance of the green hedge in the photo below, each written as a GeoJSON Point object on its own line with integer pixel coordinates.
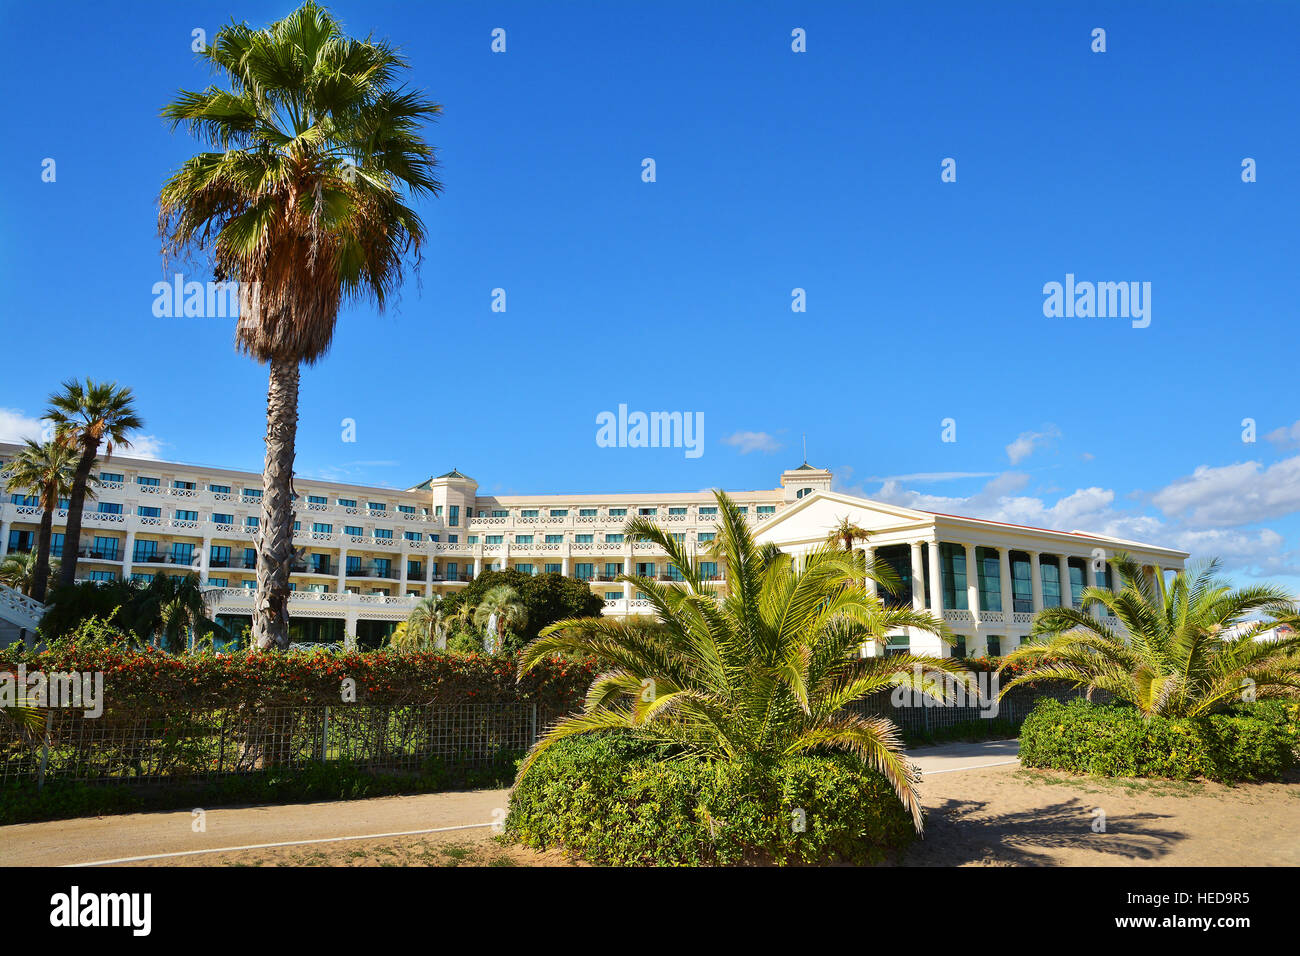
{"type": "Point", "coordinates": [612, 799]}
{"type": "Point", "coordinates": [1252, 742]}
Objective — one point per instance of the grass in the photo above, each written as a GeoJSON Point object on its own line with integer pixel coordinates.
{"type": "Point", "coordinates": [1091, 784]}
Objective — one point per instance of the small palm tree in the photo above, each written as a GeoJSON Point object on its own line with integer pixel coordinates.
{"type": "Point", "coordinates": [503, 608]}
{"type": "Point", "coordinates": [1171, 658]}
{"type": "Point", "coordinates": [18, 571]}
{"type": "Point", "coordinates": [169, 608]}
{"type": "Point", "coordinates": [764, 671]}
{"type": "Point", "coordinates": [47, 471]}
{"type": "Point", "coordinates": [420, 631]}
{"type": "Point", "coordinates": [846, 533]}
{"type": "Point", "coordinates": [86, 417]}
{"type": "Point", "coordinates": [303, 203]}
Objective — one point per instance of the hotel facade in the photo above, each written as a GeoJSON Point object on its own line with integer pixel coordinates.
{"type": "Point", "coordinates": [365, 555]}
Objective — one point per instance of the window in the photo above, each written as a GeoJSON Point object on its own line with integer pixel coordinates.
{"type": "Point", "coordinates": [559, 512]}
{"type": "Point", "coordinates": [384, 534]}
{"type": "Point", "coordinates": [219, 582]}
{"type": "Point", "coordinates": [647, 512]}
{"type": "Point", "coordinates": [896, 644]}
{"type": "Point", "coordinates": [355, 531]}
{"type": "Point", "coordinates": [990, 579]}
{"type": "Point", "coordinates": [743, 509]}
{"type": "Point", "coordinates": [376, 506]}
{"type": "Point", "coordinates": [1078, 580]}
{"type": "Point", "coordinates": [584, 572]}
{"type": "Point", "coordinates": [584, 538]}
{"type": "Point", "coordinates": [354, 563]}
{"type": "Point", "coordinates": [145, 551]}
{"type": "Point", "coordinates": [414, 569]}
{"type": "Point", "coordinates": [254, 493]}
{"type": "Point", "coordinates": [147, 482]}
{"type": "Point", "coordinates": [528, 513]}
{"type": "Point", "coordinates": [222, 519]}
{"type": "Point", "coordinates": [250, 558]}
{"type": "Point", "coordinates": [219, 556]}
{"type": "Point", "coordinates": [1050, 573]}
{"type": "Point", "coordinates": [553, 568]}
{"type": "Point", "coordinates": [453, 539]}
{"type": "Point", "coordinates": [679, 537]}
{"type": "Point", "coordinates": [618, 512]}
{"type": "Point", "coordinates": [500, 514]}
{"type": "Point", "coordinates": [105, 548]}
{"type": "Point", "coordinates": [406, 509]}
{"type": "Point", "coordinates": [614, 539]}
{"type": "Point", "coordinates": [183, 485]}
{"type": "Point", "coordinates": [952, 563]}
{"type": "Point", "coordinates": [320, 564]}
{"type": "Point", "coordinates": [186, 515]}
{"type": "Point", "coordinates": [994, 644]}
{"type": "Point", "coordinates": [412, 535]}
{"type": "Point", "coordinates": [317, 500]}
{"type": "Point", "coordinates": [56, 545]}
{"type": "Point", "coordinates": [146, 512]}
{"type": "Point", "coordinates": [437, 511]}
{"type": "Point", "coordinates": [252, 522]}
{"type": "Point", "coordinates": [613, 595]}
{"type": "Point", "coordinates": [709, 570]}
{"type": "Point", "coordinates": [766, 509]}
{"type": "Point", "coordinates": [523, 539]}
{"type": "Point", "coordinates": [493, 539]}
{"type": "Point", "coordinates": [524, 568]}
{"type": "Point", "coordinates": [677, 511]}
{"type": "Point", "coordinates": [453, 570]}
{"type": "Point", "coordinates": [109, 508]}
{"type": "Point", "coordinates": [612, 569]}
{"type": "Point", "coordinates": [1022, 586]}
{"type": "Point", "coordinates": [143, 578]}
{"type": "Point", "coordinates": [704, 537]}
{"type": "Point", "coordinates": [645, 569]}
{"type": "Point", "coordinates": [322, 528]}
{"type": "Point", "coordinates": [25, 501]}
{"type": "Point", "coordinates": [803, 491]}
{"type": "Point", "coordinates": [219, 489]}
{"type": "Point", "coordinates": [453, 515]}
{"type": "Point", "coordinates": [555, 539]}
{"type": "Point", "coordinates": [182, 553]}
{"type": "Point", "coordinates": [959, 647]}
{"type": "Point", "coordinates": [21, 540]}
{"type": "Point", "coordinates": [586, 512]}
{"type": "Point", "coordinates": [708, 509]}
{"type": "Point", "coordinates": [347, 502]}
{"type": "Point", "coordinates": [109, 477]}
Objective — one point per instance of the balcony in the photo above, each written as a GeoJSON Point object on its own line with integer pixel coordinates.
{"type": "Point", "coordinates": [375, 571]}
{"type": "Point", "coordinates": [95, 554]}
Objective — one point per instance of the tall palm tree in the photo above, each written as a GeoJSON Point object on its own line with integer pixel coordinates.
{"type": "Point", "coordinates": [303, 203]}
{"type": "Point", "coordinates": [503, 608]}
{"type": "Point", "coordinates": [763, 671]}
{"type": "Point", "coordinates": [18, 571]}
{"type": "Point", "coordinates": [86, 416]}
{"type": "Point", "coordinates": [169, 607]}
{"type": "Point", "coordinates": [47, 471]}
{"type": "Point", "coordinates": [1171, 659]}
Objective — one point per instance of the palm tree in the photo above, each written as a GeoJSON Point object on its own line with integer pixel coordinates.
{"type": "Point", "coordinates": [1171, 659]}
{"type": "Point", "coordinates": [765, 671]}
{"type": "Point", "coordinates": [303, 204]}
{"type": "Point", "coordinates": [18, 571]}
{"type": "Point", "coordinates": [86, 417]}
{"type": "Point", "coordinates": [503, 608]}
{"type": "Point", "coordinates": [169, 608]}
{"type": "Point", "coordinates": [421, 629]}
{"type": "Point", "coordinates": [846, 532]}
{"type": "Point", "coordinates": [46, 470]}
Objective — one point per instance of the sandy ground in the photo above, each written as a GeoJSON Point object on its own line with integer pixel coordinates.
{"type": "Point", "coordinates": [982, 810]}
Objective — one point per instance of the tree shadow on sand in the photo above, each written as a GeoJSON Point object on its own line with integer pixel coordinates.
{"type": "Point", "coordinates": [963, 831]}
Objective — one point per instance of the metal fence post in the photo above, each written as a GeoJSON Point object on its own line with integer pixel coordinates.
{"type": "Point", "coordinates": [532, 725]}
{"type": "Point", "coordinates": [45, 750]}
{"type": "Point", "coordinates": [325, 736]}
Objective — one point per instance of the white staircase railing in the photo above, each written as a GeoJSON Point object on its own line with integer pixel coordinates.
{"type": "Point", "coordinates": [20, 610]}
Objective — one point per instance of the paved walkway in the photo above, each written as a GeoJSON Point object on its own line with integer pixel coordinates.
{"type": "Point", "coordinates": [114, 838]}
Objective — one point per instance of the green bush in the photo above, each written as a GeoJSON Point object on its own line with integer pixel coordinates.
{"type": "Point", "coordinates": [1251, 742]}
{"type": "Point", "coordinates": [612, 799]}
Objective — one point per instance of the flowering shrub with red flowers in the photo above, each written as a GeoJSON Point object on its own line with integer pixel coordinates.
{"type": "Point", "coordinates": [152, 679]}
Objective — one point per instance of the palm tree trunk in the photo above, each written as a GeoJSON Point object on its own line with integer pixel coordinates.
{"type": "Point", "coordinates": [72, 530]}
{"type": "Point", "coordinates": [41, 573]}
{"type": "Point", "coordinates": [275, 539]}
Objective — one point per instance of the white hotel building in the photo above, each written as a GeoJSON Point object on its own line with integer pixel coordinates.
{"type": "Point", "coordinates": [368, 554]}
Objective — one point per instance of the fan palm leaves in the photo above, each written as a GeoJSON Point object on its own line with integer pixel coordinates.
{"type": "Point", "coordinates": [1173, 655]}
{"type": "Point", "coordinates": [422, 628]}
{"type": "Point", "coordinates": [46, 470]}
{"type": "Point", "coordinates": [18, 571]}
{"type": "Point", "coordinates": [503, 608]}
{"type": "Point", "coordinates": [168, 608]}
{"type": "Point", "coordinates": [764, 670]}
{"type": "Point", "coordinates": [304, 202]}
{"type": "Point", "coordinates": [87, 416]}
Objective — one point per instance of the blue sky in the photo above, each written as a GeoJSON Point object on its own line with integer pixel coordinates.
{"type": "Point", "coordinates": [775, 170]}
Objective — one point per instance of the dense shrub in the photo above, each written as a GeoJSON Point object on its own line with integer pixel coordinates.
{"type": "Point", "coordinates": [1251, 742]}
{"type": "Point", "coordinates": [150, 678]}
{"type": "Point", "coordinates": [612, 799]}
{"type": "Point", "coordinates": [547, 598]}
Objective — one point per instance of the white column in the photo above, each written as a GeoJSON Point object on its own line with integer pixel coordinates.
{"type": "Point", "coordinates": [936, 581]}
{"type": "Point", "coordinates": [350, 630]}
{"type": "Point", "coordinates": [1036, 580]}
{"type": "Point", "coordinates": [4, 538]}
{"type": "Point", "coordinates": [478, 564]}
{"type": "Point", "coordinates": [343, 569]}
{"type": "Point", "coordinates": [869, 558]}
{"type": "Point", "coordinates": [428, 569]}
{"type": "Point", "coordinates": [918, 578]}
{"type": "Point", "coordinates": [204, 560]}
{"type": "Point", "coordinates": [1091, 579]}
{"type": "Point", "coordinates": [627, 569]}
{"type": "Point", "coordinates": [1067, 593]}
{"type": "Point", "coordinates": [128, 549]}
{"type": "Point", "coordinates": [972, 582]}
{"type": "Point", "coordinates": [402, 556]}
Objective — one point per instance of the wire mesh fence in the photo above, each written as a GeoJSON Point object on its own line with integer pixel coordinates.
{"type": "Point", "coordinates": [925, 716]}
{"type": "Point", "coordinates": [209, 743]}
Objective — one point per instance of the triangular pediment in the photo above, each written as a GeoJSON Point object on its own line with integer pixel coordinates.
{"type": "Point", "coordinates": [812, 518]}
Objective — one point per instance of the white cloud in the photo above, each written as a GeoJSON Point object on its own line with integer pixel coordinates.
{"type": "Point", "coordinates": [15, 426]}
{"type": "Point", "coordinates": [1286, 437]}
{"type": "Point", "coordinates": [144, 446]}
{"type": "Point", "coordinates": [1237, 494]}
{"type": "Point", "coordinates": [752, 441]}
{"type": "Point", "coordinates": [1028, 442]}
{"type": "Point", "coordinates": [931, 476]}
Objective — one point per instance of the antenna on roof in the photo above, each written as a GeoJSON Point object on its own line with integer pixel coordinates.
{"type": "Point", "coordinates": [805, 448]}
